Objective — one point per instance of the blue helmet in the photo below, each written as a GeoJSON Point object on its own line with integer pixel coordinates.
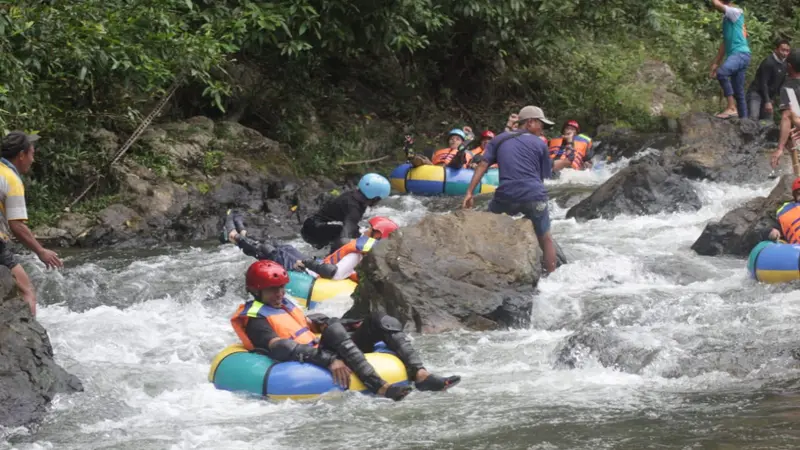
{"type": "Point", "coordinates": [458, 132]}
{"type": "Point", "coordinates": [373, 185]}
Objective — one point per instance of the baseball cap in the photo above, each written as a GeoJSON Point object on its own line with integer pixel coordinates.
{"type": "Point", "coordinates": [16, 142]}
{"type": "Point", "coordinates": [533, 112]}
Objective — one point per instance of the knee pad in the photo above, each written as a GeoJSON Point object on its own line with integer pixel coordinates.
{"type": "Point", "coordinates": [387, 323]}
{"type": "Point", "coordinates": [335, 334]}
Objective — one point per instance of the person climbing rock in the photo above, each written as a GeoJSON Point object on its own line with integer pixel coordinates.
{"type": "Point", "coordinates": [736, 51]}
{"type": "Point", "coordinates": [524, 164]}
{"type": "Point", "coordinates": [273, 324]}
{"type": "Point", "coordinates": [339, 265]}
{"type": "Point", "coordinates": [786, 222]}
{"type": "Point", "coordinates": [336, 222]}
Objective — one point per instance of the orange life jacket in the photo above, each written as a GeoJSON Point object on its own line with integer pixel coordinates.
{"type": "Point", "coordinates": [288, 322]}
{"type": "Point", "coordinates": [789, 219]}
{"type": "Point", "coordinates": [581, 143]}
{"type": "Point", "coordinates": [443, 156]}
{"type": "Point", "coordinates": [361, 245]}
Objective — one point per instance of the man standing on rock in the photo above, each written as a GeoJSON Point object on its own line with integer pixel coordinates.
{"type": "Point", "coordinates": [17, 158]}
{"type": "Point", "coordinates": [735, 49]}
{"type": "Point", "coordinates": [793, 82]}
{"type": "Point", "coordinates": [524, 164]}
{"type": "Point", "coordinates": [765, 86]}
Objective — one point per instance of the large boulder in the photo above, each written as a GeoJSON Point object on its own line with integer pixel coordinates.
{"type": "Point", "coordinates": [29, 377]}
{"type": "Point", "coordinates": [466, 269]}
{"type": "Point", "coordinates": [730, 151]}
{"type": "Point", "coordinates": [742, 228]}
{"type": "Point", "coordinates": [641, 188]}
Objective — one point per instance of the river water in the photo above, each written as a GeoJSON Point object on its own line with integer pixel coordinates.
{"type": "Point", "coordinates": [686, 352]}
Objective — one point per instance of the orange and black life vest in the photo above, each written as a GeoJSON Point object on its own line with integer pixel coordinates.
{"type": "Point", "coordinates": [581, 144]}
{"type": "Point", "coordinates": [288, 322]}
{"type": "Point", "coordinates": [789, 220]}
{"type": "Point", "coordinates": [443, 156]}
{"type": "Point", "coordinates": [361, 245]}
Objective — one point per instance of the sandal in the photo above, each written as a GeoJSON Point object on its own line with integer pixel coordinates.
{"type": "Point", "coordinates": [726, 115]}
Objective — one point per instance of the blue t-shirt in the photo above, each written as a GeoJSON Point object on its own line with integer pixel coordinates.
{"type": "Point", "coordinates": [524, 162]}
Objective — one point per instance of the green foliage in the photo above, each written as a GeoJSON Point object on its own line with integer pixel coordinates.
{"type": "Point", "coordinates": [68, 67]}
{"type": "Point", "coordinates": [212, 161]}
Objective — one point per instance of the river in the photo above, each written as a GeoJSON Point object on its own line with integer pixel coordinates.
{"type": "Point", "coordinates": [701, 351]}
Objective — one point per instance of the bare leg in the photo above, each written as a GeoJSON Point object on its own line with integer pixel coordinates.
{"type": "Point", "coordinates": [549, 249]}
{"type": "Point", "coordinates": [25, 287]}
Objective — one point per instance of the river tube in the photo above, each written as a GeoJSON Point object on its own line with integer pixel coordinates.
{"type": "Point", "coordinates": [772, 262]}
{"type": "Point", "coordinates": [439, 180]}
{"type": "Point", "coordinates": [309, 292]}
{"type": "Point", "coordinates": [235, 369]}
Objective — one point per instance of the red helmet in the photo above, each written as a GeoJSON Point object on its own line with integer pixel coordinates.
{"type": "Point", "coordinates": [384, 225]}
{"type": "Point", "coordinates": [265, 274]}
{"type": "Point", "coordinates": [487, 134]}
{"type": "Point", "coordinates": [574, 124]}
{"type": "Point", "coordinates": [796, 184]}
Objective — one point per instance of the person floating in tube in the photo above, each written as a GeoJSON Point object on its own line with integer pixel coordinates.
{"type": "Point", "coordinates": [338, 265]}
{"type": "Point", "coordinates": [455, 155]}
{"type": "Point", "coordinates": [276, 326]}
{"type": "Point", "coordinates": [336, 222]}
{"type": "Point", "coordinates": [786, 224]}
{"type": "Point", "coordinates": [477, 152]}
{"type": "Point", "coordinates": [571, 150]}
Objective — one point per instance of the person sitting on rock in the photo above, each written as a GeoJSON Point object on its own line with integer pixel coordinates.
{"type": "Point", "coordinates": [787, 219]}
{"type": "Point", "coordinates": [339, 265]}
{"type": "Point", "coordinates": [273, 324]}
{"type": "Point", "coordinates": [336, 222]}
{"type": "Point", "coordinates": [571, 149]}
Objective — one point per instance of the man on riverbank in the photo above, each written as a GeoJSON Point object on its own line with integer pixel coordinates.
{"type": "Point", "coordinates": [17, 158]}
{"type": "Point", "coordinates": [734, 48]}
{"type": "Point", "coordinates": [793, 83]}
{"type": "Point", "coordinates": [765, 86]}
{"type": "Point", "coordinates": [524, 164]}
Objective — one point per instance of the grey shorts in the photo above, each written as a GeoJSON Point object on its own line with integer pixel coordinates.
{"type": "Point", "coordinates": [537, 212]}
{"type": "Point", "coordinates": [7, 258]}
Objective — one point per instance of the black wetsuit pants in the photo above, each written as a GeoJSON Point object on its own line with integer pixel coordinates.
{"type": "Point", "coordinates": [319, 233]}
{"type": "Point", "coordinates": [351, 347]}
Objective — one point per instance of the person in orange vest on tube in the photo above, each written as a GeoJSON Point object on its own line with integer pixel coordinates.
{"type": "Point", "coordinates": [275, 325]}
{"type": "Point", "coordinates": [787, 219]}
